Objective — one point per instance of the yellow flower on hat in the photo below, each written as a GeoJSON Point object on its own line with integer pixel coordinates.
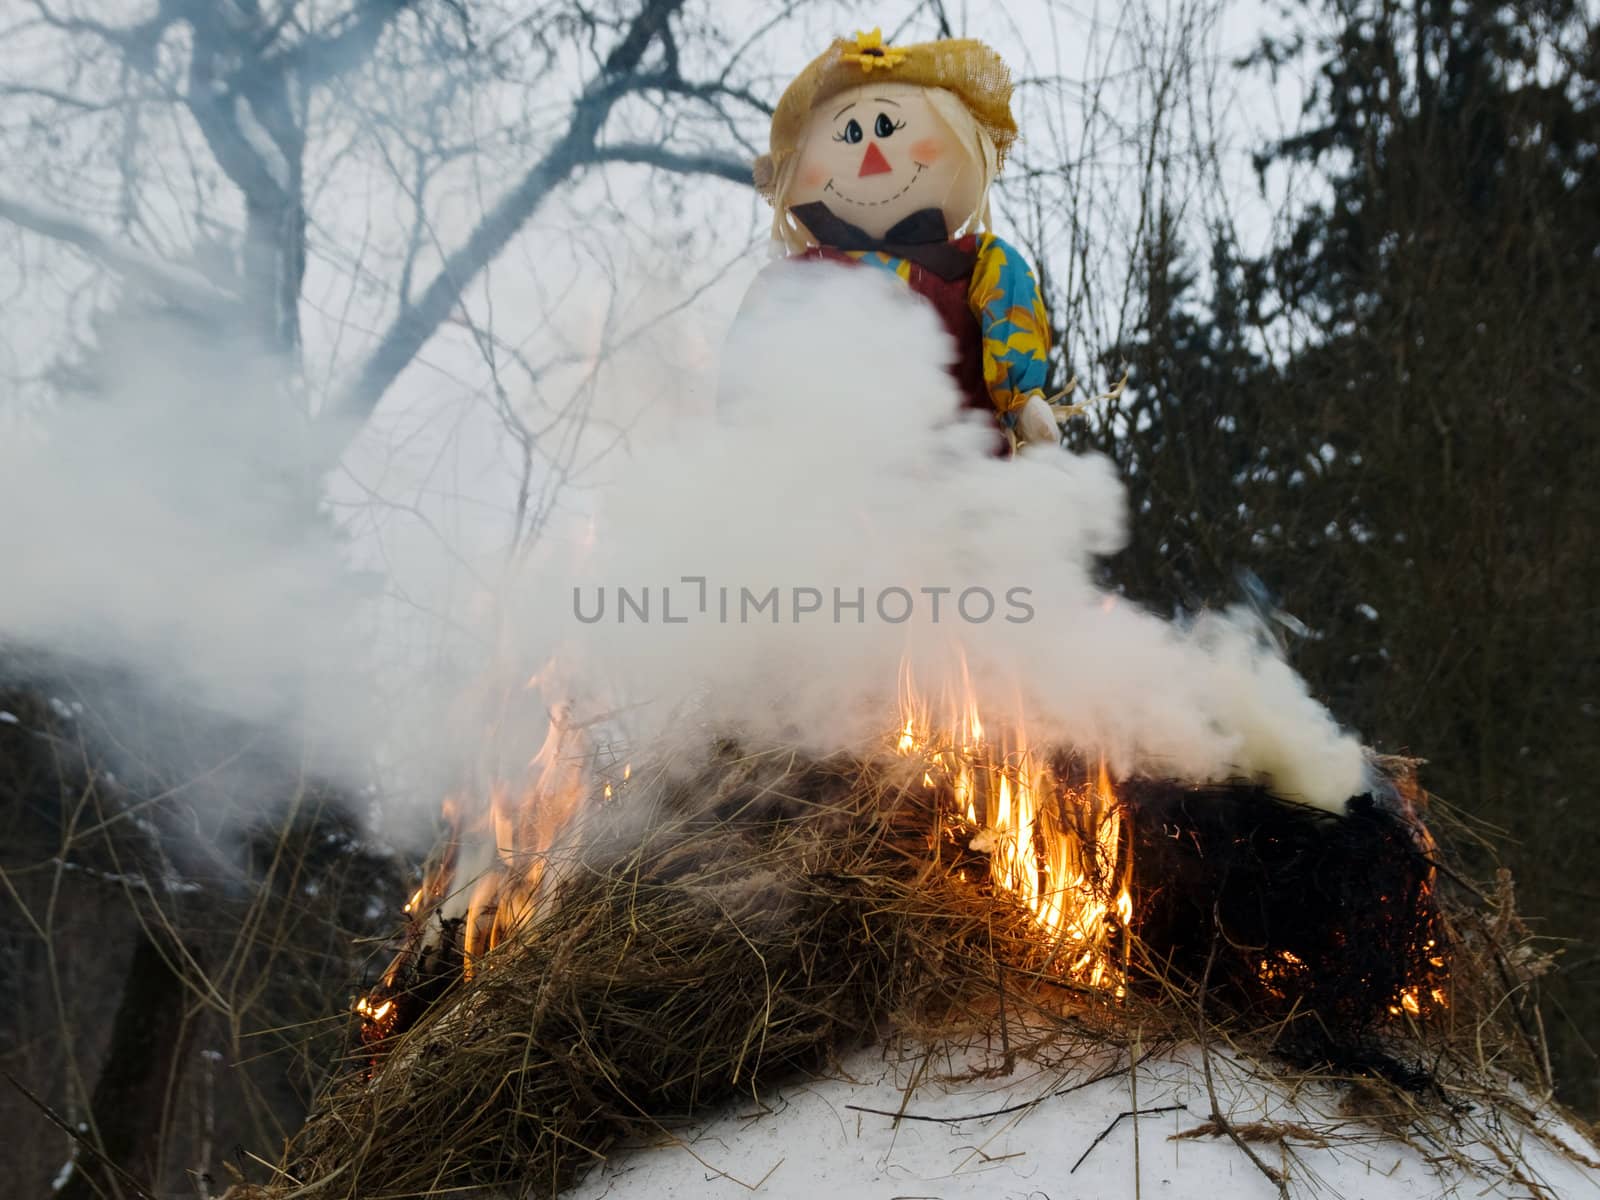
{"type": "Point", "coordinates": [870, 52]}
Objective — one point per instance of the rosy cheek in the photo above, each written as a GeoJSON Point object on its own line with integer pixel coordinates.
{"type": "Point", "coordinates": [812, 175]}
{"type": "Point", "coordinates": [928, 150]}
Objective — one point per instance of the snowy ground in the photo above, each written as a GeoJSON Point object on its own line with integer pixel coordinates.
{"type": "Point", "coordinates": [813, 1139]}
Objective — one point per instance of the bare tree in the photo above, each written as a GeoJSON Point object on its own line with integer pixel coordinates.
{"type": "Point", "coordinates": [198, 160]}
{"type": "Point", "coordinates": [258, 94]}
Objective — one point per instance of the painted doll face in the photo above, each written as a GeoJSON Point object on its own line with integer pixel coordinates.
{"type": "Point", "coordinates": [878, 153]}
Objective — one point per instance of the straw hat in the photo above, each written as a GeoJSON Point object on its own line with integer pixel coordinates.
{"type": "Point", "coordinates": [974, 73]}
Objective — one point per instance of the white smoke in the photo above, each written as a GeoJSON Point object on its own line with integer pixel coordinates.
{"type": "Point", "coordinates": [777, 543]}
{"type": "Point", "coordinates": [840, 471]}
{"type": "Point", "coordinates": [162, 526]}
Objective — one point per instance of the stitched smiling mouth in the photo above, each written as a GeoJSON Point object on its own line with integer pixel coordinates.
{"type": "Point", "coordinates": [921, 167]}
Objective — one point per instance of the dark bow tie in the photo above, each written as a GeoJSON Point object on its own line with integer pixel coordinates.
{"type": "Point", "coordinates": [921, 238]}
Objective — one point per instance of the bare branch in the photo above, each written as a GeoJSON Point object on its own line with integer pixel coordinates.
{"type": "Point", "coordinates": [184, 288]}
{"type": "Point", "coordinates": [575, 149]}
{"type": "Point", "coordinates": [137, 42]}
{"type": "Point", "coordinates": [706, 162]}
{"type": "Point", "coordinates": [65, 99]}
{"type": "Point", "coordinates": [712, 91]}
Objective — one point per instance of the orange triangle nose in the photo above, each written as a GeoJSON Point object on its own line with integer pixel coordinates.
{"type": "Point", "coordinates": [873, 162]}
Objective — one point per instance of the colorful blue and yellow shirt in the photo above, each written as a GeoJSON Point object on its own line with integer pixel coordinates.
{"type": "Point", "coordinates": [992, 307]}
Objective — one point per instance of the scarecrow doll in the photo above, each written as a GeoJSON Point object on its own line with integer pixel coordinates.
{"type": "Point", "coordinates": [883, 156]}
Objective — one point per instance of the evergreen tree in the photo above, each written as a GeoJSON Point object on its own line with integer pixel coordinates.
{"type": "Point", "coordinates": [1414, 475]}
{"type": "Point", "coordinates": [1446, 547]}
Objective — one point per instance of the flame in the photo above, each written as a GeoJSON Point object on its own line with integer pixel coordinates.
{"type": "Point", "coordinates": [489, 874]}
{"type": "Point", "coordinates": [1058, 849]}
{"type": "Point", "coordinates": [375, 1017]}
{"type": "Point", "coordinates": [1058, 846]}
{"type": "Point", "coordinates": [525, 823]}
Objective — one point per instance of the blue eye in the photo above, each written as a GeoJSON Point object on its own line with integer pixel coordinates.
{"type": "Point", "coordinates": [884, 126]}
{"type": "Point", "coordinates": [852, 132]}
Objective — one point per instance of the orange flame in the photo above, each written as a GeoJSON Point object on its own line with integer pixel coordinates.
{"type": "Point", "coordinates": [525, 824]}
{"type": "Point", "coordinates": [1058, 849]}
{"type": "Point", "coordinates": [495, 859]}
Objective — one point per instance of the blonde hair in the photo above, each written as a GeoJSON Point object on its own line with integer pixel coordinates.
{"type": "Point", "coordinates": [970, 132]}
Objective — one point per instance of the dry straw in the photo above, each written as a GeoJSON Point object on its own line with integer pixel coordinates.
{"type": "Point", "coordinates": [750, 917]}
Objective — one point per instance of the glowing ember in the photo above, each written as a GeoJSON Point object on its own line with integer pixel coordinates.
{"type": "Point", "coordinates": [1279, 971]}
{"type": "Point", "coordinates": [1423, 999]}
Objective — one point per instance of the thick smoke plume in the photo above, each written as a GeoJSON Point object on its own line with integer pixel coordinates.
{"type": "Point", "coordinates": [834, 532]}
{"type": "Point", "coordinates": [840, 527]}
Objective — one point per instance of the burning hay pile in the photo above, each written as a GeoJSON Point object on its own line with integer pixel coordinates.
{"type": "Point", "coordinates": [717, 926]}
{"type": "Point", "coordinates": [597, 959]}
{"type": "Point", "coordinates": [740, 923]}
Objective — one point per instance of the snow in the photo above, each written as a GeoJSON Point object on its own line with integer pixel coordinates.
{"type": "Point", "coordinates": [63, 1176]}
{"type": "Point", "coordinates": [1032, 1135]}
{"type": "Point", "coordinates": [8, 718]}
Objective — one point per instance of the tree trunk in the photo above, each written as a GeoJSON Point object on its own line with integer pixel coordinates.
{"type": "Point", "coordinates": [149, 1038]}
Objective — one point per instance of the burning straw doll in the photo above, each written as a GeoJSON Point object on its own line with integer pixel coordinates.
{"type": "Point", "coordinates": [883, 156]}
